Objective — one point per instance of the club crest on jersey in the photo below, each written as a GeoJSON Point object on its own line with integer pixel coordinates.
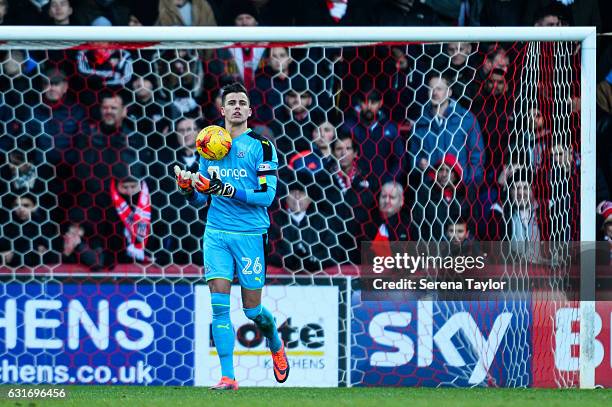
{"type": "Point", "coordinates": [241, 154]}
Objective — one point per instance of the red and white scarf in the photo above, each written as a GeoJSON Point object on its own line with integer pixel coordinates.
{"type": "Point", "coordinates": [345, 180]}
{"type": "Point", "coordinates": [381, 244]}
{"type": "Point", "coordinates": [137, 222]}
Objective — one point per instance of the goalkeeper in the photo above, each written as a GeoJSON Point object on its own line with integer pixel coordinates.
{"type": "Point", "coordinates": [239, 190]}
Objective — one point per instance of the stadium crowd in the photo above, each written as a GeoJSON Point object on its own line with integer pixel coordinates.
{"type": "Point", "coordinates": [375, 143]}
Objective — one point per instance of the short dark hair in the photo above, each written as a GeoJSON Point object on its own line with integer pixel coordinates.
{"type": "Point", "coordinates": [112, 94]}
{"type": "Point", "coordinates": [27, 195]}
{"type": "Point", "coordinates": [235, 87]}
{"type": "Point", "coordinates": [493, 50]}
{"type": "Point", "coordinates": [561, 11]}
{"type": "Point", "coordinates": [341, 136]}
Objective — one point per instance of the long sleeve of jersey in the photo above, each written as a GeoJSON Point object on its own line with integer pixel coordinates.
{"type": "Point", "coordinates": [267, 167]}
{"type": "Point", "coordinates": [263, 196]}
{"type": "Point", "coordinates": [198, 199]}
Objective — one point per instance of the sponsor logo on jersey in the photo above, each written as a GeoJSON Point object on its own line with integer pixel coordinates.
{"type": "Point", "coordinates": [228, 172]}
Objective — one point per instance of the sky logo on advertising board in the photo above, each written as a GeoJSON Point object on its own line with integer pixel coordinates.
{"type": "Point", "coordinates": [437, 343]}
{"type": "Point", "coordinates": [485, 348]}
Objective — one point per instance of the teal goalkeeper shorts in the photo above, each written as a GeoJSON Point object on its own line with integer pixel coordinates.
{"type": "Point", "coordinates": [226, 252]}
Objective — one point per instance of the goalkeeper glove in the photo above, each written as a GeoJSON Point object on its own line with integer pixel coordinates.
{"type": "Point", "coordinates": [200, 183]}
{"type": "Point", "coordinates": [217, 187]}
{"type": "Point", "coordinates": [183, 181]}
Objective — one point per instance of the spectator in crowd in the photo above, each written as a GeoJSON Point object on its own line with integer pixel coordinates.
{"type": "Point", "coordinates": [60, 11]}
{"type": "Point", "coordinates": [457, 232]}
{"type": "Point", "coordinates": [517, 217]}
{"type": "Point", "coordinates": [558, 193]}
{"type": "Point", "coordinates": [553, 15]}
{"type": "Point", "coordinates": [439, 198]}
{"type": "Point", "coordinates": [185, 13]}
{"type": "Point", "coordinates": [460, 238]}
{"type": "Point", "coordinates": [491, 194]}
{"type": "Point", "coordinates": [305, 239]}
{"type": "Point", "coordinates": [381, 148]}
{"type": "Point", "coordinates": [180, 225]}
{"type": "Point", "coordinates": [16, 76]}
{"type": "Point", "coordinates": [536, 137]}
{"type": "Point", "coordinates": [25, 239]}
{"type": "Point", "coordinates": [392, 222]}
{"type": "Point", "coordinates": [73, 248]}
{"type": "Point", "coordinates": [496, 57]}
{"type": "Point", "coordinates": [4, 12]}
{"type": "Point", "coordinates": [102, 12]}
{"type": "Point", "coordinates": [132, 203]}
{"type": "Point", "coordinates": [493, 108]}
{"type": "Point", "coordinates": [410, 13]}
{"type": "Point", "coordinates": [349, 191]}
{"type": "Point", "coordinates": [24, 170]}
{"type": "Point", "coordinates": [21, 173]}
{"type": "Point", "coordinates": [556, 13]}
{"type": "Point", "coordinates": [100, 154]}
{"type": "Point", "coordinates": [148, 111]}
{"type": "Point", "coordinates": [294, 120]}
{"type": "Point", "coordinates": [102, 68]}
{"type": "Point", "coordinates": [113, 128]}
{"type": "Point", "coordinates": [59, 119]}
{"type": "Point", "coordinates": [319, 156]}
{"type": "Point", "coordinates": [604, 210]}
{"type": "Point", "coordinates": [604, 127]}
{"type": "Point", "coordinates": [271, 82]}
{"type": "Point", "coordinates": [186, 131]}
{"type": "Point", "coordinates": [105, 67]}
{"type": "Point", "coordinates": [447, 128]}
{"type": "Point", "coordinates": [458, 54]}
{"type": "Point", "coordinates": [181, 72]}
{"type": "Point", "coordinates": [238, 63]}
{"type": "Point", "coordinates": [401, 81]}
{"type": "Point", "coordinates": [458, 62]}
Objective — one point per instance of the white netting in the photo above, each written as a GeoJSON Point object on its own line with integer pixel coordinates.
{"type": "Point", "coordinates": [376, 141]}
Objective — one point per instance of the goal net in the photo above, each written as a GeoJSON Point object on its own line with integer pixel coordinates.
{"type": "Point", "coordinates": [378, 141]}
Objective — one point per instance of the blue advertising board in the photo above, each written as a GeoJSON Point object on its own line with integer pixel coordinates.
{"type": "Point", "coordinates": [97, 332]}
{"type": "Point", "coordinates": [441, 343]}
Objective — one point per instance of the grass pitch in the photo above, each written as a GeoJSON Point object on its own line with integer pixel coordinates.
{"type": "Point", "coordinates": [115, 396]}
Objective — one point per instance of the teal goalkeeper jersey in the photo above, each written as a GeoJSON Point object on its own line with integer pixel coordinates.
{"type": "Point", "coordinates": [250, 166]}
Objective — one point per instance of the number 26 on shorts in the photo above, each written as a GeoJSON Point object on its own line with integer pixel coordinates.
{"type": "Point", "coordinates": [251, 266]}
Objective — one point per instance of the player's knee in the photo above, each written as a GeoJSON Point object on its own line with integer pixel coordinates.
{"type": "Point", "coordinates": [252, 313]}
{"type": "Point", "coordinates": [220, 305]}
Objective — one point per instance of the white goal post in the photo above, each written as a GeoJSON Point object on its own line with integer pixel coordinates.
{"type": "Point", "coordinates": [188, 37]}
